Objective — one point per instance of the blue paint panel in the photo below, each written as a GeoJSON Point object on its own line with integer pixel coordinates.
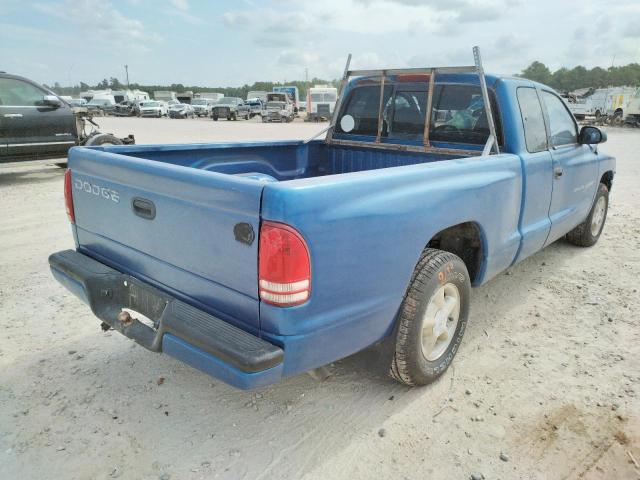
{"type": "Point", "coordinates": [366, 215]}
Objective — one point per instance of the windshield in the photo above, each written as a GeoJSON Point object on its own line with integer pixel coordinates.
{"type": "Point", "coordinates": [199, 102]}
{"type": "Point", "coordinates": [150, 104]}
{"type": "Point", "coordinates": [275, 104]}
{"type": "Point", "coordinates": [227, 101]}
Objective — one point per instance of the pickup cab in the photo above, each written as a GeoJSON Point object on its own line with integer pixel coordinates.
{"type": "Point", "coordinates": [36, 124]}
{"type": "Point", "coordinates": [261, 260]}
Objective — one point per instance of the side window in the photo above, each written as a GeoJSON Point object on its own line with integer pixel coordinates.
{"type": "Point", "coordinates": [17, 93]}
{"type": "Point", "coordinates": [532, 119]}
{"type": "Point", "coordinates": [561, 124]}
{"type": "Point", "coordinates": [363, 104]}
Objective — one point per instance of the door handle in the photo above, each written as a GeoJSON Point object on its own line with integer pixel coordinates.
{"type": "Point", "coordinates": [557, 172]}
{"type": "Point", "coordinates": [12, 115]}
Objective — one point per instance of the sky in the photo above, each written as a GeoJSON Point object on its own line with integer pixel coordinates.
{"type": "Point", "coordinates": [231, 43]}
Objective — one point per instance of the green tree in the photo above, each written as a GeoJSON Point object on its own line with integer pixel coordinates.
{"type": "Point", "coordinates": [538, 72]}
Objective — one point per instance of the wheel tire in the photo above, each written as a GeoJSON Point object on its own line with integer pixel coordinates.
{"type": "Point", "coordinates": [103, 139]}
{"type": "Point", "coordinates": [436, 271]}
{"type": "Point", "coordinates": [583, 235]}
{"type": "Point", "coordinates": [246, 117]}
{"type": "Point", "coordinates": [215, 119]}
{"type": "Point", "coordinates": [234, 117]}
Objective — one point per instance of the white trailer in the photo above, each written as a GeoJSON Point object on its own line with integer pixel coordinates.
{"type": "Point", "coordinates": [215, 96]}
{"type": "Point", "coordinates": [321, 101]}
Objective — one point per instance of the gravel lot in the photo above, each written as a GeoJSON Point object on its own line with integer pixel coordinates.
{"type": "Point", "coordinates": [546, 384]}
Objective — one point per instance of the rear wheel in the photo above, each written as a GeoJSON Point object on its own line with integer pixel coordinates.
{"type": "Point", "coordinates": [215, 118]}
{"type": "Point", "coordinates": [588, 232]}
{"type": "Point", "coordinates": [432, 318]}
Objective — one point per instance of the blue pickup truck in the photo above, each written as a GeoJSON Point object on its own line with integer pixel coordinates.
{"type": "Point", "coordinates": [257, 261]}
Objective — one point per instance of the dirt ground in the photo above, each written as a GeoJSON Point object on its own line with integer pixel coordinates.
{"type": "Point", "coordinates": [548, 375]}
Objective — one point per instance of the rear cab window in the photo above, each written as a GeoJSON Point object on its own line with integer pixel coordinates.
{"type": "Point", "coordinates": [457, 117]}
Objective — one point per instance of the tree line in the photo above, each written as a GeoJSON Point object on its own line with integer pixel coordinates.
{"type": "Point", "coordinates": [567, 80]}
{"type": "Point", "coordinates": [563, 79]}
{"type": "Point", "coordinates": [115, 84]}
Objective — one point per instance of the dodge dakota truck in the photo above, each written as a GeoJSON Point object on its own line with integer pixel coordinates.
{"type": "Point", "coordinates": [257, 261]}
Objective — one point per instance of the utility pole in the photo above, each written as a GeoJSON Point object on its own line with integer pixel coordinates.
{"type": "Point", "coordinates": [306, 74]}
{"type": "Point", "coordinates": [126, 69]}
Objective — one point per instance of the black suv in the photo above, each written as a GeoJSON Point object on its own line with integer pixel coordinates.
{"type": "Point", "coordinates": [36, 124]}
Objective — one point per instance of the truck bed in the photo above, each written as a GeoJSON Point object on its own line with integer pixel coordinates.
{"type": "Point", "coordinates": [279, 161]}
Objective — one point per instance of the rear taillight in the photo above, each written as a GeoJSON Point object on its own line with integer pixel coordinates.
{"type": "Point", "coordinates": [68, 197]}
{"type": "Point", "coordinates": [284, 273]}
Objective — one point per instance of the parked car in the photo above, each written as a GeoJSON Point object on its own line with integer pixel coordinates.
{"type": "Point", "coordinates": [153, 108]}
{"type": "Point", "coordinates": [181, 110]}
{"type": "Point", "coordinates": [230, 108]}
{"type": "Point", "coordinates": [202, 106]}
{"type": "Point", "coordinates": [279, 257]}
{"type": "Point", "coordinates": [36, 124]}
{"type": "Point", "coordinates": [256, 106]}
{"type": "Point", "coordinates": [100, 106]}
{"type": "Point", "coordinates": [127, 109]}
{"type": "Point", "coordinates": [294, 96]}
{"type": "Point", "coordinates": [278, 112]}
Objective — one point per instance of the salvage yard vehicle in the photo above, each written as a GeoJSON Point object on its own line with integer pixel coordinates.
{"type": "Point", "coordinates": [101, 105]}
{"type": "Point", "coordinates": [36, 124]}
{"type": "Point", "coordinates": [153, 108]}
{"type": "Point", "coordinates": [321, 101]}
{"type": "Point", "coordinates": [202, 106]}
{"type": "Point", "coordinates": [256, 106]}
{"type": "Point", "coordinates": [230, 108]}
{"type": "Point", "coordinates": [181, 110]}
{"type": "Point", "coordinates": [280, 257]}
{"type": "Point", "coordinates": [127, 108]}
{"type": "Point", "coordinates": [633, 110]}
{"type": "Point", "coordinates": [294, 95]}
{"type": "Point", "coordinates": [278, 112]}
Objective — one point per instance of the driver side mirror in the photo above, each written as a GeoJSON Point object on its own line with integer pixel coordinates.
{"type": "Point", "coordinates": [591, 135]}
{"type": "Point", "coordinates": [51, 101]}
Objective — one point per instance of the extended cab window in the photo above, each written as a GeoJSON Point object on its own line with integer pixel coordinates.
{"type": "Point", "coordinates": [532, 120]}
{"type": "Point", "coordinates": [458, 115]}
{"type": "Point", "coordinates": [562, 127]}
{"type": "Point", "coordinates": [17, 93]}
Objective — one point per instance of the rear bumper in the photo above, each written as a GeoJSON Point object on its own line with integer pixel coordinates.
{"type": "Point", "coordinates": [191, 335]}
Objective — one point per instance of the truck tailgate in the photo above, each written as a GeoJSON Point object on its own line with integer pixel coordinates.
{"type": "Point", "coordinates": [172, 226]}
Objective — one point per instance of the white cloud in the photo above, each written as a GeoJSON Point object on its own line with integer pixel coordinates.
{"type": "Point", "coordinates": [102, 24]}
{"type": "Point", "coordinates": [180, 4]}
